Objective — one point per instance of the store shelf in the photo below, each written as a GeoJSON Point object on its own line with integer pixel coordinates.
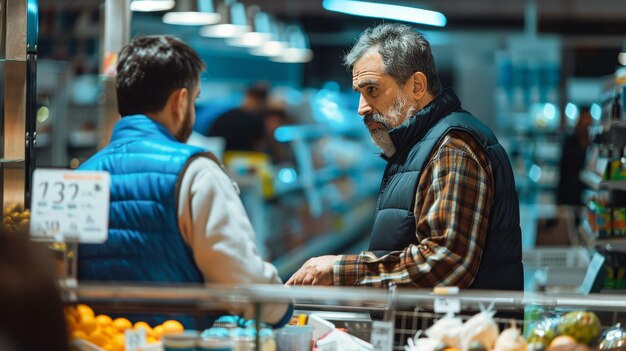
{"type": "Point", "coordinates": [611, 244]}
{"type": "Point", "coordinates": [589, 239]}
{"type": "Point", "coordinates": [615, 134]}
{"type": "Point", "coordinates": [357, 220]}
{"type": "Point", "coordinates": [618, 124]}
{"type": "Point", "coordinates": [6, 161]}
{"type": "Point", "coordinates": [595, 182]}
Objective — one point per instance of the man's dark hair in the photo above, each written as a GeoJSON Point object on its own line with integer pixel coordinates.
{"type": "Point", "coordinates": [150, 68]}
{"type": "Point", "coordinates": [258, 90]}
{"type": "Point", "coordinates": [404, 51]}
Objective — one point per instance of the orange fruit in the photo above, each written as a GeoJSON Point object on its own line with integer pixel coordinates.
{"type": "Point", "coordinates": [122, 324]}
{"type": "Point", "coordinates": [108, 347]}
{"type": "Point", "coordinates": [78, 334]}
{"type": "Point", "coordinates": [143, 325]}
{"type": "Point", "coordinates": [103, 320]}
{"type": "Point", "coordinates": [71, 322]}
{"type": "Point", "coordinates": [84, 310]}
{"type": "Point", "coordinates": [157, 332]}
{"type": "Point", "coordinates": [118, 342]}
{"type": "Point", "coordinates": [87, 324]}
{"type": "Point", "coordinates": [151, 340]}
{"type": "Point", "coordinates": [72, 311]}
{"type": "Point", "coordinates": [110, 331]}
{"type": "Point", "coordinates": [172, 327]}
{"type": "Point", "coordinates": [98, 338]}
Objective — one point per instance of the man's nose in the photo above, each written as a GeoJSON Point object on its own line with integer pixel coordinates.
{"type": "Point", "coordinates": [364, 107]}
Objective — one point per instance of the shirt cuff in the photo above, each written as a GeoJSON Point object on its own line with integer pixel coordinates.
{"type": "Point", "coordinates": [345, 270]}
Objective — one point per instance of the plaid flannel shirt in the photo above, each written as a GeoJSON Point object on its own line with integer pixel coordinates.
{"type": "Point", "coordinates": [453, 201]}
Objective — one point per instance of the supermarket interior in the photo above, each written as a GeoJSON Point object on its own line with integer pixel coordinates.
{"type": "Point", "coordinates": [318, 174]}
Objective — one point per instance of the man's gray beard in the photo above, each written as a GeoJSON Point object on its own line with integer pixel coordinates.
{"type": "Point", "coordinates": [380, 137]}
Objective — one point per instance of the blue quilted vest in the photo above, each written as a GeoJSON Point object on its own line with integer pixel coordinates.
{"type": "Point", "coordinates": [394, 227]}
{"type": "Point", "coordinates": [144, 243]}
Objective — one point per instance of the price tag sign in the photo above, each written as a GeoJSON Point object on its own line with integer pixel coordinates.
{"type": "Point", "coordinates": [447, 305]}
{"type": "Point", "coordinates": [134, 339]}
{"type": "Point", "coordinates": [382, 335]}
{"type": "Point", "coordinates": [70, 204]}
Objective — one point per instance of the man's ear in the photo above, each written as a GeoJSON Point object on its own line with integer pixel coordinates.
{"type": "Point", "coordinates": [178, 103]}
{"type": "Point", "coordinates": [419, 86]}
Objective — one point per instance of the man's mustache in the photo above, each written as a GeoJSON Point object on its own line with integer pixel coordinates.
{"type": "Point", "coordinates": [374, 117]}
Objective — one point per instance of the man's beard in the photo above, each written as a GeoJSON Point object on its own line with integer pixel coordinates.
{"type": "Point", "coordinates": [393, 118]}
{"type": "Point", "coordinates": [185, 130]}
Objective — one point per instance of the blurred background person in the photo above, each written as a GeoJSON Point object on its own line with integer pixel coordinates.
{"type": "Point", "coordinates": [243, 127]}
{"type": "Point", "coordinates": [31, 311]}
{"type": "Point", "coordinates": [570, 188]}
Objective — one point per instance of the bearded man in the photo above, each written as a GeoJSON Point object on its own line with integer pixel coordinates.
{"type": "Point", "coordinates": [447, 212]}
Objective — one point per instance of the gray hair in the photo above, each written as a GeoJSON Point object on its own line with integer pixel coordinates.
{"type": "Point", "coordinates": [404, 51]}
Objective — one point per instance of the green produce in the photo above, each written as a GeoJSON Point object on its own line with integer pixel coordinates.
{"type": "Point", "coordinates": [543, 332]}
{"type": "Point", "coordinates": [582, 326]}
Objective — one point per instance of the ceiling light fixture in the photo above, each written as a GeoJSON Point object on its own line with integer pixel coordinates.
{"type": "Point", "coordinates": [298, 47]}
{"type": "Point", "coordinates": [260, 30]}
{"type": "Point", "coordinates": [276, 45]}
{"type": "Point", "coordinates": [192, 13]}
{"type": "Point", "coordinates": [233, 23]}
{"type": "Point", "coordinates": [151, 5]}
{"type": "Point", "coordinates": [393, 12]}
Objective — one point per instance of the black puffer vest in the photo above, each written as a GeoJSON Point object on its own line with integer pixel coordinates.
{"type": "Point", "coordinates": [394, 227]}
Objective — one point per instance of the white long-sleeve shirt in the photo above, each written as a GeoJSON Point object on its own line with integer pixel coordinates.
{"type": "Point", "coordinates": [214, 223]}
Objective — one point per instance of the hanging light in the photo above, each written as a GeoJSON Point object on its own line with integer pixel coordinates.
{"type": "Point", "coordinates": [151, 5]}
{"type": "Point", "coordinates": [388, 11]}
{"type": "Point", "coordinates": [298, 50]}
{"type": "Point", "coordinates": [260, 29]}
{"type": "Point", "coordinates": [233, 23]}
{"type": "Point", "coordinates": [192, 13]}
{"type": "Point", "coordinates": [276, 45]}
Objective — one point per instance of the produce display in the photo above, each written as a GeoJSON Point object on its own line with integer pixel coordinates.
{"type": "Point", "coordinates": [15, 218]}
{"type": "Point", "coordinates": [572, 331]}
{"type": "Point", "coordinates": [107, 333]}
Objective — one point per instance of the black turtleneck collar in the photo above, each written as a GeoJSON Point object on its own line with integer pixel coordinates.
{"type": "Point", "coordinates": [413, 129]}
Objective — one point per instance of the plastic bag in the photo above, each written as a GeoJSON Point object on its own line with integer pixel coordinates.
{"type": "Point", "coordinates": [480, 328]}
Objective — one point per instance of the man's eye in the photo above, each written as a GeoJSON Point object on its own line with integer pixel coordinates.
{"type": "Point", "coordinates": [371, 90]}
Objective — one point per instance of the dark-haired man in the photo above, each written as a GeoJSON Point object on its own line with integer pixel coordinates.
{"type": "Point", "coordinates": [175, 216]}
{"type": "Point", "coordinates": [447, 212]}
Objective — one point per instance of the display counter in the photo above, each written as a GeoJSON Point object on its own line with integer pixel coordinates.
{"type": "Point", "coordinates": [352, 308]}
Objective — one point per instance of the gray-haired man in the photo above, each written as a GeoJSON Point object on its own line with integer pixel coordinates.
{"type": "Point", "coordinates": [447, 212]}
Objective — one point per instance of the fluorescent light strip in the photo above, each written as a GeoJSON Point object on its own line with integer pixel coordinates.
{"type": "Point", "coordinates": [250, 40]}
{"type": "Point", "coordinates": [223, 30]}
{"type": "Point", "coordinates": [151, 5]}
{"type": "Point", "coordinates": [191, 18]}
{"type": "Point", "coordinates": [393, 12]}
{"type": "Point", "coordinates": [294, 55]}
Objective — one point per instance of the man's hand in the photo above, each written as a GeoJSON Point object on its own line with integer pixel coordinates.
{"type": "Point", "coordinates": [315, 271]}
